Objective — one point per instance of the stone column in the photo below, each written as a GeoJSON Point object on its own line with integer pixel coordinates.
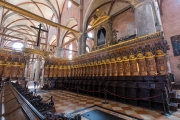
{"type": "Point", "coordinates": [59, 52]}
{"type": "Point", "coordinates": [82, 44]}
{"type": "Point", "coordinates": [37, 66]}
{"type": "Point", "coordinates": [144, 17]}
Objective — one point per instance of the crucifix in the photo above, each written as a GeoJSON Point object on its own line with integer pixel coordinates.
{"type": "Point", "coordinates": [39, 32]}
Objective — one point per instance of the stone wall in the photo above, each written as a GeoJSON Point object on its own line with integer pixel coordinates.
{"type": "Point", "coordinates": [171, 27]}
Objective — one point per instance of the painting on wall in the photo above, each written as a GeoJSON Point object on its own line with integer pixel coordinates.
{"type": "Point", "coordinates": [176, 44]}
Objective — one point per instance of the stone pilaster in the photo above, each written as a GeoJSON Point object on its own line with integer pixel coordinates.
{"type": "Point", "coordinates": [144, 17]}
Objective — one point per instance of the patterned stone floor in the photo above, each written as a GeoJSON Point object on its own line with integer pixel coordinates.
{"type": "Point", "coordinates": [67, 102]}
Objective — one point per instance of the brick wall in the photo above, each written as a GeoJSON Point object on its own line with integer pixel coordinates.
{"type": "Point", "coordinates": [121, 22]}
{"type": "Point", "coordinates": [171, 26]}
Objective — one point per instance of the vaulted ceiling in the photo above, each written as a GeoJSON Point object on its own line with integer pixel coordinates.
{"type": "Point", "coordinates": [16, 25]}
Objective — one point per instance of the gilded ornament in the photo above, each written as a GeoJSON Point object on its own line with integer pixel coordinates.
{"type": "Point", "coordinates": [132, 57]}
{"type": "Point", "coordinates": [140, 56]}
{"type": "Point", "coordinates": [52, 66]}
{"type": "Point", "coordinates": [99, 18]}
{"type": "Point", "coordinates": [103, 62]}
{"type": "Point", "coordinates": [149, 55]}
{"type": "Point", "coordinates": [118, 59]}
{"type": "Point", "coordinates": [159, 53]}
{"type": "Point", "coordinates": [125, 58]}
{"type": "Point", "coordinates": [107, 61]}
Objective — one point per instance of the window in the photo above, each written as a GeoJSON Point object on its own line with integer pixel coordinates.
{"type": "Point", "coordinates": [69, 4]}
{"type": "Point", "coordinates": [90, 35]}
{"type": "Point", "coordinates": [70, 52]}
{"type": "Point", "coordinates": [18, 46]}
{"type": "Point", "coordinates": [87, 49]}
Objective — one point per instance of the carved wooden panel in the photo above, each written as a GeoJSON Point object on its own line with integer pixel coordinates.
{"type": "Point", "coordinates": [7, 71]}
{"type": "Point", "coordinates": [46, 71]}
{"type": "Point", "coordinates": [151, 66]}
{"type": "Point", "coordinates": [134, 69]}
{"type": "Point", "coordinates": [108, 69]}
{"type": "Point", "coordinates": [99, 70]}
{"type": "Point", "coordinates": [62, 72]}
{"type": "Point", "coordinates": [91, 70]}
{"type": "Point", "coordinates": [96, 70]}
{"type": "Point", "coordinates": [55, 71]}
{"type": "Point", "coordinates": [72, 71]}
{"type": "Point", "coordinates": [15, 71]}
{"type": "Point", "coordinates": [114, 69]}
{"type": "Point", "coordinates": [161, 65]}
{"type": "Point", "coordinates": [126, 66]}
{"type": "Point", "coordinates": [59, 72]}
{"type": "Point", "coordinates": [1, 70]}
{"type": "Point", "coordinates": [103, 70]}
{"type": "Point", "coordinates": [142, 67]}
{"type": "Point", "coordinates": [87, 70]}
{"type": "Point", "coordinates": [81, 71]}
{"type": "Point", "coordinates": [120, 68]}
{"type": "Point", "coordinates": [69, 71]}
{"type": "Point", "coordinates": [51, 70]}
{"type": "Point", "coordinates": [65, 71]}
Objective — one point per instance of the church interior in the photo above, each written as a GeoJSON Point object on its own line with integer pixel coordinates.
{"type": "Point", "coordinates": [90, 59]}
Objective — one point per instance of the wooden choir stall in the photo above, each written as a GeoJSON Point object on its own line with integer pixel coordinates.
{"type": "Point", "coordinates": [132, 72]}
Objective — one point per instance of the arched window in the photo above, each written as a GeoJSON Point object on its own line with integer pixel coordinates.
{"type": "Point", "coordinates": [87, 49]}
{"type": "Point", "coordinates": [70, 52]}
{"type": "Point", "coordinates": [18, 46]}
{"type": "Point", "coordinates": [90, 35]}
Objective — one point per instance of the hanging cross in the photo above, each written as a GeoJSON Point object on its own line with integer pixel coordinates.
{"type": "Point", "coordinates": [39, 32]}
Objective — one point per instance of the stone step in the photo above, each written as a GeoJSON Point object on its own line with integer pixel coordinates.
{"type": "Point", "coordinates": [175, 100]}
{"type": "Point", "coordinates": [173, 107]}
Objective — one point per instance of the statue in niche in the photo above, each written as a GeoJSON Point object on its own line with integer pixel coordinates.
{"type": "Point", "coordinates": [101, 37]}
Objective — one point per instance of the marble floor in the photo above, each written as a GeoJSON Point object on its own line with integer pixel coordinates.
{"type": "Point", "coordinates": [67, 102]}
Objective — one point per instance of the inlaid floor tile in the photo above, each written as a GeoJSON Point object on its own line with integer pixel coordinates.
{"type": "Point", "coordinates": [67, 102]}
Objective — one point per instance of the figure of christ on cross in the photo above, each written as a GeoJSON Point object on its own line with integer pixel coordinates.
{"type": "Point", "coordinates": [39, 32]}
